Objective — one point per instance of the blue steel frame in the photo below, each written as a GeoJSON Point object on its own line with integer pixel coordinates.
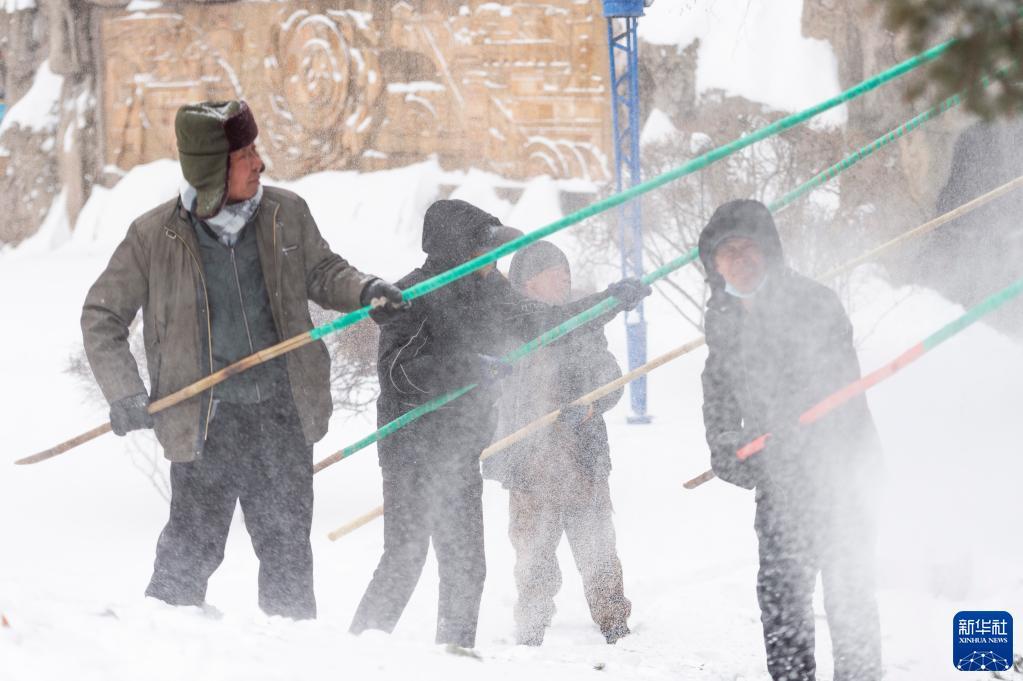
{"type": "Point", "coordinates": [623, 48]}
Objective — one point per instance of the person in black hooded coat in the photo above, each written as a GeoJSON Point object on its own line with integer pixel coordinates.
{"type": "Point", "coordinates": [431, 473]}
{"type": "Point", "coordinates": [779, 343]}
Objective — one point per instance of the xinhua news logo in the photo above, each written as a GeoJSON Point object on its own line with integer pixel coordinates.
{"type": "Point", "coordinates": [982, 641]}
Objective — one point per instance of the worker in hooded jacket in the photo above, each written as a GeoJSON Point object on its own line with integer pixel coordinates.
{"type": "Point", "coordinates": [777, 344]}
{"type": "Point", "coordinates": [557, 478]}
{"type": "Point", "coordinates": [432, 485]}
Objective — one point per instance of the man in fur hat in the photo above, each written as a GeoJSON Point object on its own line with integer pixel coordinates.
{"type": "Point", "coordinates": [221, 272]}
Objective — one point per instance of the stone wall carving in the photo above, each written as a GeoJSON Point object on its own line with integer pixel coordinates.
{"type": "Point", "coordinates": [517, 89]}
{"type": "Point", "coordinates": [29, 169]}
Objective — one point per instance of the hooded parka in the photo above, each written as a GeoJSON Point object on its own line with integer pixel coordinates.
{"type": "Point", "coordinates": [766, 364]}
{"type": "Point", "coordinates": [431, 473]}
{"type": "Point", "coordinates": [558, 477]}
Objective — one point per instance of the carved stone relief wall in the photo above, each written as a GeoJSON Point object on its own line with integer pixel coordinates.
{"type": "Point", "coordinates": [517, 89]}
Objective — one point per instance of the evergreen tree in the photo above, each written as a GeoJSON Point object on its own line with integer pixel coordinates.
{"type": "Point", "coordinates": [989, 37]}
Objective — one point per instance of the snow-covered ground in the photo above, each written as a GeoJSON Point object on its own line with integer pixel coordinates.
{"type": "Point", "coordinates": [78, 533]}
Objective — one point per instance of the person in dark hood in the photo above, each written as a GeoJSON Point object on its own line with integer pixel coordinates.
{"type": "Point", "coordinates": [779, 343]}
{"type": "Point", "coordinates": [558, 478]}
{"type": "Point", "coordinates": [221, 272]}
{"type": "Point", "coordinates": [986, 155]}
{"type": "Point", "coordinates": [431, 473]}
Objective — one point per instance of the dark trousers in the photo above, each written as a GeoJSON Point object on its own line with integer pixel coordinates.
{"type": "Point", "coordinates": [438, 497]}
{"type": "Point", "coordinates": [255, 454]}
{"type": "Point", "coordinates": [537, 518]}
{"type": "Point", "coordinates": [794, 546]}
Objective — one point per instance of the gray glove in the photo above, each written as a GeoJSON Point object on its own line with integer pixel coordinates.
{"type": "Point", "coordinates": [130, 413]}
{"type": "Point", "coordinates": [573, 415]}
{"type": "Point", "coordinates": [493, 369]}
{"type": "Point", "coordinates": [629, 291]}
{"type": "Point", "coordinates": [385, 298]}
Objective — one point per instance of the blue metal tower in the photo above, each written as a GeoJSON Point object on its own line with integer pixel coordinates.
{"type": "Point", "coordinates": [623, 48]}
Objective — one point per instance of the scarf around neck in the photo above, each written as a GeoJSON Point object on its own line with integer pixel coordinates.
{"type": "Point", "coordinates": [232, 218]}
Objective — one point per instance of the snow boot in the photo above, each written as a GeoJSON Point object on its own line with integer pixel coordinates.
{"type": "Point", "coordinates": [617, 631]}
{"type": "Point", "coordinates": [459, 651]}
{"type": "Point", "coordinates": [530, 636]}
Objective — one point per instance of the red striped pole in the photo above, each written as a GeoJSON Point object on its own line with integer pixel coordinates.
{"type": "Point", "coordinates": [841, 396]}
{"type": "Point", "coordinates": [858, 387]}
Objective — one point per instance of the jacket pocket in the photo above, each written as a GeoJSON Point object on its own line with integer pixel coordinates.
{"type": "Point", "coordinates": [154, 372]}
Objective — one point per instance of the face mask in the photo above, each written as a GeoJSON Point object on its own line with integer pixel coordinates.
{"type": "Point", "coordinates": [730, 290]}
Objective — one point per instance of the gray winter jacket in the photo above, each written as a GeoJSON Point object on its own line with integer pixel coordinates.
{"type": "Point", "coordinates": [158, 268]}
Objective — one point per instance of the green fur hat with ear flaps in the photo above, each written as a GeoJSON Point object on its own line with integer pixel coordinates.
{"type": "Point", "coordinates": [207, 133]}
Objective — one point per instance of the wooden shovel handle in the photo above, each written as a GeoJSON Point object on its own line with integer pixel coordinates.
{"type": "Point", "coordinates": [703, 477]}
{"type": "Point", "coordinates": [350, 527]}
{"type": "Point", "coordinates": [185, 393]}
{"type": "Point", "coordinates": [65, 446]}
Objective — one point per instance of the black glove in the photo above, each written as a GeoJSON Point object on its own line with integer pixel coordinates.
{"type": "Point", "coordinates": [492, 369]}
{"type": "Point", "coordinates": [385, 300]}
{"type": "Point", "coordinates": [729, 467]}
{"type": "Point", "coordinates": [573, 415]}
{"type": "Point", "coordinates": [630, 291]}
{"type": "Point", "coordinates": [130, 413]}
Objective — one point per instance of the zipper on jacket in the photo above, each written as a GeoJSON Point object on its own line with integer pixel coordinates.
{"type": "Point", "coordinates": [277, 267]}
{"type": "Point", "coordinates": [209, 325]}
{"type": "Point", "coordinates": [245, 317]}
{"type": "Point", "coordinates": [742, 359]}
{"type": "Point", "coordinates": [277, 278]}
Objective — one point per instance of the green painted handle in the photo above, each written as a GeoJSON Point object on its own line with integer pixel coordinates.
{"type": "Point", "coordinates": [698, 163]}
{"type": "Point", "coordinates": [598, 310]}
